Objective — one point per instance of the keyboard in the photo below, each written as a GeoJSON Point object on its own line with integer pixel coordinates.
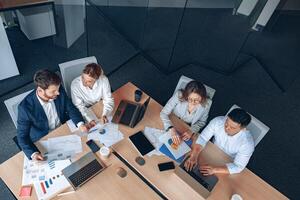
{"type": "Point", "coordinates": [85, 173]}
{"type": "Point", "coordinates": [128, 113]}
{"type": "Point", "coordinates": [206, 181]}
{"type": "Point", "coordinates": [200, 180]}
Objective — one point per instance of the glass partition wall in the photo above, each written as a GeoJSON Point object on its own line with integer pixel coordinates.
{"type": "Point", "coordinates": [42, 36]}
{"type": "Point", "coordinates": [171, 34]}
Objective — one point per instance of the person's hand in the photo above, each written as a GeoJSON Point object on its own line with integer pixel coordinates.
{"type": "Point", "coordinates": [37, 157]}
{"type": "Point", "coordinates": [175, 137]}
{"type": "Point", "coordinates": [187, 135]}
{"type": "Point", "coordinates": [207, 170]}
{"type": "Point", "coordinates": [83, 128]}
{"type": "Point", "coordinates": [103, 119]}
{"type": "Point", "coordinates": [191, 162]}
{"type": "Point", "coordinates": [92, 123]}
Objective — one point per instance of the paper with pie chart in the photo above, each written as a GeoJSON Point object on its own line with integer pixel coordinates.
{"type": "Point", "coordinates": [176, 150]}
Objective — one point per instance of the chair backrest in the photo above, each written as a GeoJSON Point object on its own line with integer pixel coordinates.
{"type": "Point", "coordinates": [183, 81]}
{"type": "Point", "coordinates": [72, 69]}
{"type": "Point", "coordinates": [257, 129]}
{"type": "Point", "coordinates": [12, 106]}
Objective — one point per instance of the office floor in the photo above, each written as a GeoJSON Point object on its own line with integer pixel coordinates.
{"type": "Point", "coordinates": [276, 158]}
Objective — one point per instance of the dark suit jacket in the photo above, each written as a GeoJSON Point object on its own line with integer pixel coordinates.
{"type": "Point", "coordinates": [33, 122]}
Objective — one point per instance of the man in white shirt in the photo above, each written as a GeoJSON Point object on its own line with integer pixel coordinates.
{"type": "Point", "coordinates": [231, 136]}
{"type": "Point", "coordinates": [43, 110]}
{"type": "Point", "coordinates": [88, 89]}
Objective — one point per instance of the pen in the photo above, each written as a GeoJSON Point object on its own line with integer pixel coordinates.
{"type": "Point", "coordinates": [65, 193]}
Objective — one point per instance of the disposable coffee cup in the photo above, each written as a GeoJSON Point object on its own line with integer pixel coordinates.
{"type": "Point", "coordinates": [236, 197]}
{"type": "Point", "coordinates": [138, 95]}
{"type": "Point", "coordinates": [104, 152]}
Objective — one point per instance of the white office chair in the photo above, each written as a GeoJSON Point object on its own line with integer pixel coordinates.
{"type": "Point", "coordinates": [183, 81]}
{"type": "Point", "coordinates": [12, 106]}
{"type": "Point", "coordinates": [256, 127]}
{"type": "Point", "coordinates": [72, 69]}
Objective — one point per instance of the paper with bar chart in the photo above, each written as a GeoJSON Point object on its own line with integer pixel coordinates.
{"type": "Point", "coordinates": [51, 186]}
{"type": "Point", "coordinates": [39, 171]}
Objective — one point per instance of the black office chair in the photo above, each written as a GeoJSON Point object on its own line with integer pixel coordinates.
{"type": "Point", "coordinates": [15, 139]}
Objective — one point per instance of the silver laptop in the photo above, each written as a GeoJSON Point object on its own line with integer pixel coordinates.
{"type": "Point", "coordinates": [82, 170]}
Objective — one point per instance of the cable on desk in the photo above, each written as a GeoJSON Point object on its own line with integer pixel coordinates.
{"type": "Point", "coordinates": [139, 175]}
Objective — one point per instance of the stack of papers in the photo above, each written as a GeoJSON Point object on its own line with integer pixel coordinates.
{"type": "Point", "coordinates": [40, 171]}
{"type": "Point", "coordinates": [54, 182]}
{"type": "Point", "coordinates": [108, 134]}
{"type": "Point", "coordinates": [73, 127]}
{"type": "Point", "coordinates": [153, 135]}
{"type": "Point", "coordinates": [60, 148]}
{"type": "Point", "coordinates": [51, 187]}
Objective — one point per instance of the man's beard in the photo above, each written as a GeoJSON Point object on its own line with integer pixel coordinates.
{"type": "Point", "coordinates": [50, 97]}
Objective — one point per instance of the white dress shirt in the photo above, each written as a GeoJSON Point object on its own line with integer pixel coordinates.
{"type": "Point", "coordinates": [239, 146]}
{"type": "Point", "coordinates": [51, 113]}
{"type": "Point", "coordinates": [197, 118]}
{"type": "Point", "coordinates": [84, 97]}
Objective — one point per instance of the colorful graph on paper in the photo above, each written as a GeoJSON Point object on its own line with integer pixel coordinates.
{"type": "Point", "coordinates": [39, 171]}
{"type": "Point", "coordinates": [51, 186]}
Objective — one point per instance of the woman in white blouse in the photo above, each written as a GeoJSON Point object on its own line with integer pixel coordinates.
{"type": "Point", "coordinates": [89, 88]}
{"type": "Point", "coordinates": [191, 105]}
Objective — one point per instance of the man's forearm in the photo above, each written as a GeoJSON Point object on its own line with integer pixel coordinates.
{"type": "Point", "coordinates": [197, 148]}
{"type": "Point", "coordinates": [221, 170]}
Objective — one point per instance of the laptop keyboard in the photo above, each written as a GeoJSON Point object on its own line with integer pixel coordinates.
{"type": "Point", "coordinates": [201, 181]}
{"type": "Point", "coordinates": [128, 113]}
{"type": "Point", "coordinates": [85, 173]}
{"type": "Point", "coordinates": [198, 177]}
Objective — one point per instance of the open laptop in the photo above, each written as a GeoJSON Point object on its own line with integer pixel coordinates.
{"type": "Point", "coordinates": [82, 170]}
{"type": "Point", "coordinates": [200, 183]}
{"type": "Point", "coordinates": [130, 113]}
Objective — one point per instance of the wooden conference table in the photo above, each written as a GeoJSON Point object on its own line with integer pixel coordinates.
{"type": "Point", "coordinates": [108, 185]}
{"type": "Point", "coordinates": [247, 184]}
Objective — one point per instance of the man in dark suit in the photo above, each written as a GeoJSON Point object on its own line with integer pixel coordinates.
{"type": "Point", "coordinates": [43, 110]}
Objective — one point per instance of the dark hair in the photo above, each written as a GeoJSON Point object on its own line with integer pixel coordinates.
{"type": "Point", "coordinates": [93, 70]}
{"type": "Point", "coordinates": [44, 78]}
{"type": "Point", "coordinates": [240, 116]}
{"type": "Point", "coordinates": [194, 87]}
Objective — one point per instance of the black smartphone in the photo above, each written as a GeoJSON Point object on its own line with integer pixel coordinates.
{"type": "Point", "coordinates": [93, 146]}
{"type": "Point", "coordinates": [166, 166]}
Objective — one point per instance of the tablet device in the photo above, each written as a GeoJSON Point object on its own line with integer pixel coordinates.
{"type": "Point", "coordinates": [141, 143]}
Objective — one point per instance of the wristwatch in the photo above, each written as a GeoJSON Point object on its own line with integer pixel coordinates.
{"type": "Point", "coordinates": [169, 128]}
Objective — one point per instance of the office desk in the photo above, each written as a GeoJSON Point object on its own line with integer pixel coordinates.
{"type": "Point", "coordinates": [247, 184]}
{"type": "Point", "coordinates": [107, 184]}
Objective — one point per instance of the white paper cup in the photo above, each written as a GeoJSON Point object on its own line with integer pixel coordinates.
{"type": "Point", "coordinates": [104, 152]}
{"type": "Point", "coordinates": [236, 197]}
